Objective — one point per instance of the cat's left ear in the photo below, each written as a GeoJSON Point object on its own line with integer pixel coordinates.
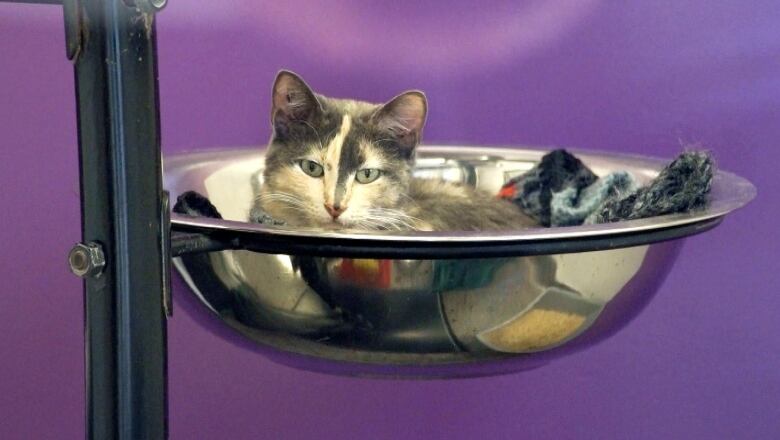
{"type": "Point", "coordinates": [403, 117]}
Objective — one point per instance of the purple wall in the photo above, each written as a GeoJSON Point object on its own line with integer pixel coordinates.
{"type": "Point", "coordinates": [703, 361]}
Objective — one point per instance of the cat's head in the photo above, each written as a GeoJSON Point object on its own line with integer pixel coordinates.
{"type": "Point", "coordinates": [337, 163]}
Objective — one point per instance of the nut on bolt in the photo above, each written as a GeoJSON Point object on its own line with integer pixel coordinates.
{"type": "Point", "coordinates": [87, 260]}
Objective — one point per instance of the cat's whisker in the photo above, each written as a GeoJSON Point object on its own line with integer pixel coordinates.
{"type": "Point", "coordinates": [391, 222]}
{"type": "Point", "coordinates": [371, 222]}
{"type": "Point", "coordinates": [278, 194]}
{"type": "Point", "coordinates": [287, 202]}
{"type": "Point", "coordinates": [395, 213]}
{"type": "Point", "coordinates": [282, 197]}
{"type": "Point", "coordinates": [396, 216]}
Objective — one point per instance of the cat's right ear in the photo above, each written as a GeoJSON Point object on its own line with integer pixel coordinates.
{"type": "Point", "coordinates": [293, 100]}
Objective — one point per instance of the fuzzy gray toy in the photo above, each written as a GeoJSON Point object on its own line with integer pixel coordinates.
{"type": "Point", "coordinates": [534, 190]}
{"type": "Point", "coordinates": [559, 191]}
{"type": "Point", "coordinates": [680, 187]}
{"type": "Point", "coordinates": [572, 207]}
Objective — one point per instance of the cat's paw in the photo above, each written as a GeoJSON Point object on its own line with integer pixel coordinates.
{"type": "Point", "coordinates": [257, 215]}
{"type": "Point", "coordinates": [193, 204]}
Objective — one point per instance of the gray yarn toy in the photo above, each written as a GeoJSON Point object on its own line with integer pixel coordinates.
{"type": "Point", "coordinates": [559, 191]}
{"type": "Point", "coordinates": [571, 207]}
{"type": "Point", "coordinates": [680, 187]}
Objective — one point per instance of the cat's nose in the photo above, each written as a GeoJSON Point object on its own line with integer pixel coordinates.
{"type": "Point", "coordinates": [335, 210]}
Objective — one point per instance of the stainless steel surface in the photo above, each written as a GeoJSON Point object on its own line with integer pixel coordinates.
{"type": "Point", "coordinates": [438, 310]}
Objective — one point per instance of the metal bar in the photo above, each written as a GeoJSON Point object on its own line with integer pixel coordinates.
{"type": "Point", "coordinates": [191, 239]}
{"type": "Point", "coordinates": [121, 190]}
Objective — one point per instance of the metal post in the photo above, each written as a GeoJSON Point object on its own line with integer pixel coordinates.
{"type": "Point", "coordinates": [112, 45]}
{"type": "Point", "coordinates": [124, 253]}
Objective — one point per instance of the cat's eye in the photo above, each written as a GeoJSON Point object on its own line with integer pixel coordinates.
{"type": "Point", "coordinates": [311, 168]}
{"type": "Point", "coordinates": [368, 175]}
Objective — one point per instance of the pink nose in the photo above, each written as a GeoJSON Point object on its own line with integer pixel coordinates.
{"type": "Point", "coordinates": [335, 210]}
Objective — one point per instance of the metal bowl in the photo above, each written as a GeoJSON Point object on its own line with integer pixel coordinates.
{"type": "Point", "coordinates": [426, 304]}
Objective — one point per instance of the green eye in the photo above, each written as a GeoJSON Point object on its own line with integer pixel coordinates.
{"type": "Point", "coordinates": [311, 168]}
{"type": "Point", "coordinates": [368, 175]}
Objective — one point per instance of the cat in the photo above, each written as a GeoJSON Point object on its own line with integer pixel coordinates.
{"type": "Point", "coordinates": [340, 164]}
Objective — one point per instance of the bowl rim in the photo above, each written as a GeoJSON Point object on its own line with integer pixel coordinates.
{"type": "Point", "coordinates": [730, 192]}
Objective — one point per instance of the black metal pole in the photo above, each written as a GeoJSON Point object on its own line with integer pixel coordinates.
{"type": "Point", "coordinates": [125, 249]}
{"type": "Point", "coordinates": [113, 49]}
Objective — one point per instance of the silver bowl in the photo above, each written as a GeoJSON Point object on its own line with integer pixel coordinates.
{"type": "Point", "coordinates": [426, 304]}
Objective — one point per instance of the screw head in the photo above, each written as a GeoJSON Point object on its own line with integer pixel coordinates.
{"type": "Point", "coordinates": [87, 260]}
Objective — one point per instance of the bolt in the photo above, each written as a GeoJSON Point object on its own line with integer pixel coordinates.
{"type": "Point", "coordinates": [87, 260]}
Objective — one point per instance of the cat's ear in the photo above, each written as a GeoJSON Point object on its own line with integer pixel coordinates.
{"type": "Point", "coordinates": [293, 100]}
{"type": "Point", "coordinates": [403, 117]}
